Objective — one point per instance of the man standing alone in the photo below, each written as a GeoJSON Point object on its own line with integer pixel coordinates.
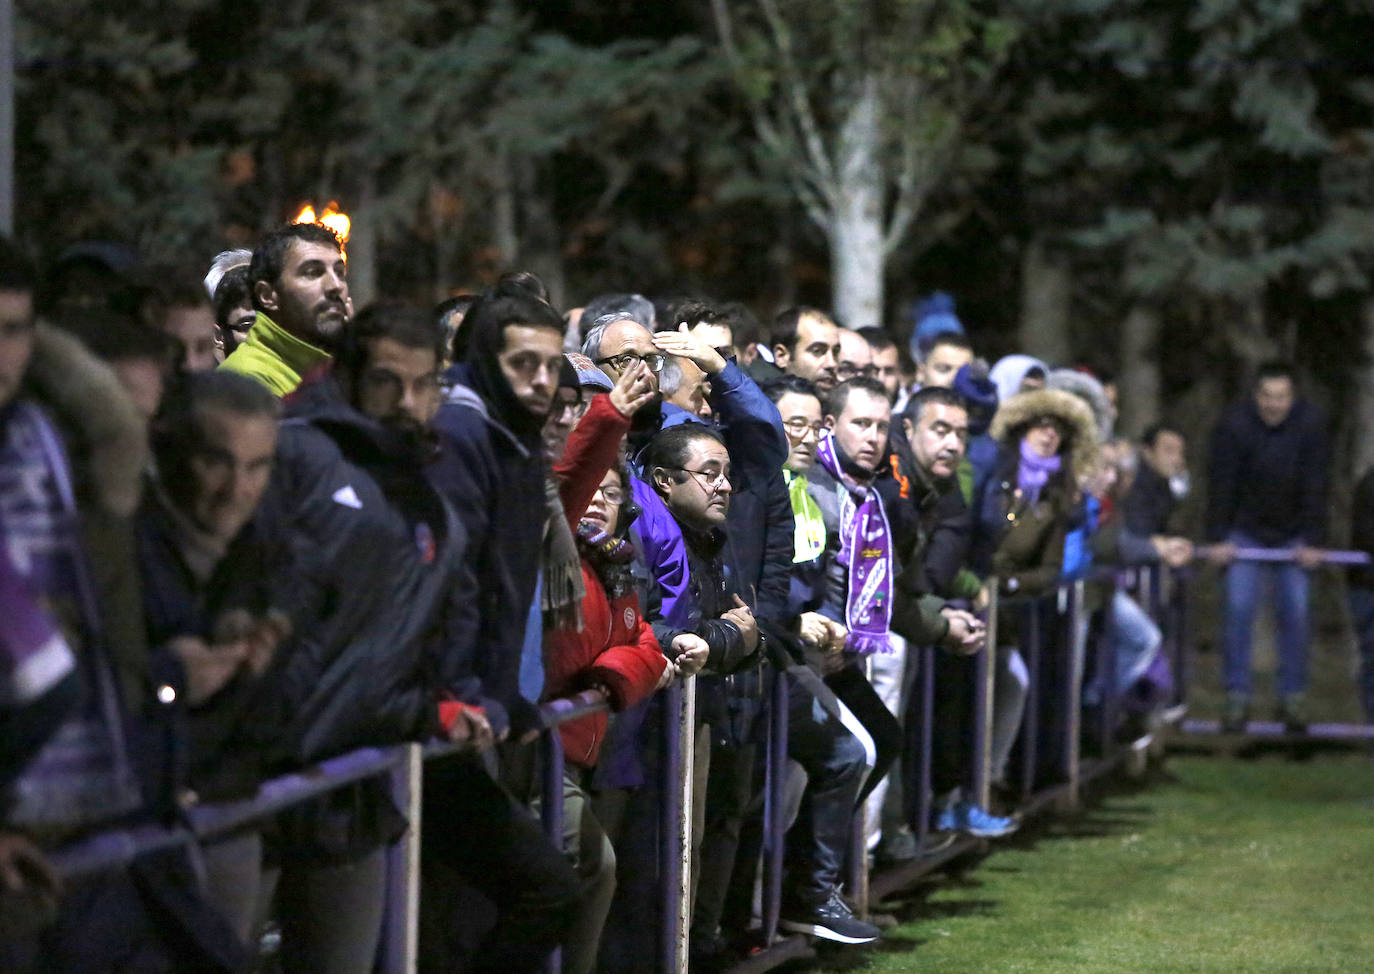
{"type": "Point", "coordinates": [1268, 490]}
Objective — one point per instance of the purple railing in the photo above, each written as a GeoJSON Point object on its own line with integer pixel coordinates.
{"type": "Point", "coordinates": [1051, 628]}
{"type": "Point", "coordinates": [403, 764]}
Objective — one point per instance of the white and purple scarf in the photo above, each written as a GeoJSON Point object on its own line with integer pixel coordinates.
{"type": "Point", "coordinates": [84, 772]}
{"type": "Point", "coordinates": [865, 554]}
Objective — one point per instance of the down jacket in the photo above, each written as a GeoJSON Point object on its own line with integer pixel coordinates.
{"type": "Point", "coordinates": [615, 646]}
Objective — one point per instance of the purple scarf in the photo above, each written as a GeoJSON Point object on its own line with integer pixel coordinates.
{"type": "Point", "coordinates": [865, 554]}
{"type": "Point", "coordinates": [84, 772]}
{"type": "Point", "coordinates": [1034, 471]}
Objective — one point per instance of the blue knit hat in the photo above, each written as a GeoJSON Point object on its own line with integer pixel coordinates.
{"type": "Point", "coordinates": [980, 392]}
{"type": "Point", "coordinates": [935, 316]}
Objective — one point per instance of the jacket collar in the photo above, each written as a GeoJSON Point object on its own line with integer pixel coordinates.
{"type": "Point", "coordinates": [296, 353]}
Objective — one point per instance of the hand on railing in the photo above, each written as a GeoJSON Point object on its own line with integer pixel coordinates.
{"type": "Point", "coordinates": [1174, 552]}
{"type": "Point", "coordinates": [471, 730]}
{"type": "Point", "coordinates": [1309, 557]}
{"type": "Point", "coordinates": [692, 652]}
{"type": "Point", "coordinates": [966, 634]}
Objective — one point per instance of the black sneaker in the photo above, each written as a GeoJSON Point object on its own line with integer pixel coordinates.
{"type": "Point", "coordinates": [829, 920]}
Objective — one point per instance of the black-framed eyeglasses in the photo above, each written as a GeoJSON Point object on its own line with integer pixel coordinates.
{"type": "Point", "coordinates": [714, 479]}
{"type": "Point", "coordinates": [797, 428]}
{"type": "Point", "coordinates": [621, 362]}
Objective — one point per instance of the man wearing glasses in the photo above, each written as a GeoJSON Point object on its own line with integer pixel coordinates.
{"type": "Point", "coordinates": [856, 357]}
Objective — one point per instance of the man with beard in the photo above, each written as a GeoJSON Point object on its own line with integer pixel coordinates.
{"type": "Point", "coordinates": [803, 341]}
{"type": "Point", "coordinates": [376, 560]}
{"type": "Point", "coordinates": [491, 467]}
{"type": "Point", "coordinates": [299, 285]}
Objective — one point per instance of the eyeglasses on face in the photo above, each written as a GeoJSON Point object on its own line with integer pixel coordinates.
{"type": "Point", "coordinates": [576, 408]}
{"type": "Point", "coordinates": [848, 370]}
{"type": "Point", "coordinates": [623, 361]}
{"type": "Point", "coordinates": [613, 494]}
{"type": "Point", "coordinates": [712, 480]}
{"type": "Point", "coordinates": [797, 428]}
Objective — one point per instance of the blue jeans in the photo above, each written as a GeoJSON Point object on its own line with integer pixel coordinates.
{"type": "Point", "coordinates": [1244, 585]}
{"type": "Point", "coordinates": [1362, 616]}
{"type": "Point", "coordinates": [1135, 638]}
{"type": "Point", "coordinates": [836, 764]}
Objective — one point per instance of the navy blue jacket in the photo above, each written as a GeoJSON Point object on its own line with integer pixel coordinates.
{"type": "Point", "coordinates": [1268, 482]}
{"type": "Point", "coordinates": [495, 482]}
{"type": "Point", "coordinates": [376, 558]}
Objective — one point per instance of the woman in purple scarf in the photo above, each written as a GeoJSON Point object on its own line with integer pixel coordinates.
{"type": "Point", "coordinates": [1048, 442]}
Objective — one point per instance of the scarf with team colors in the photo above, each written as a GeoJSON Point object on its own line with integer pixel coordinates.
{"type": "Point", "coordinates": [865, 554]}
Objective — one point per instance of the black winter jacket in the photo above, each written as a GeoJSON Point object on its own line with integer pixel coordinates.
{"type": "Point", "coordinates": [495, 481]}
{"type": "Point", "coordinates": [1269, 482]}
{"type": "Point", "coordinates": [376, 558]}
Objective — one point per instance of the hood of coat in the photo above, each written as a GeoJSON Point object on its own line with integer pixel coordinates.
{"type": "Point", "coordinates": [1090, 390]}
{"type": "Point", "coordinates": [1081, 443]}
{"type": "Point", "coordinates": [106, 436]}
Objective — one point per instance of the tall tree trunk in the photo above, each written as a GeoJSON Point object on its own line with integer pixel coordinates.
{"type": "Point", "coordinates": [542, 242]}
{"type": "Point", "coordinates": [1046, 288]}
{"type": "Point", "coordinates": [856, 221]}
{"type": "Point", "coordinates": [1363, 457]}
{"type": "Point", "coordinates": [362, 239]}
{"type": "Point", "coordinates": [505, 226]}
{"type": "Point", "coordinates": [1138, 370]}
{"type": "Point", "coordinates": [362, 244]}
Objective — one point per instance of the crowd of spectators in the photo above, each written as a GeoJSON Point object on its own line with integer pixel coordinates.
{"type": "Point", "coordinates": [245, 526]}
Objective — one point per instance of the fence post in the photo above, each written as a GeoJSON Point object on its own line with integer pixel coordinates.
{"type": "Point", "coordinates": [1073, 684]}
{"type": "Point", "coordinates": [679, 717]}
{"type": "Point", "coordinates": [983, 704]}
{"type": "Point", "coordinates": [1178, 625]}
{"type": "Point", "coordinates": [1030, 723]}
{"type": "Point", "coordinates": [774, 827]}
{"type": "Point", "coordinates": [401, 936]}
{"type": "Point", "coordinates": [921, 827]}
{"type": "Point", "coordinates": [1108, 664]}
{"type": "Point", "coordinates": [551, 811]}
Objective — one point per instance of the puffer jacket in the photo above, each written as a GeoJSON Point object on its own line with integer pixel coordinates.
{"type": "Point", "coordinates": [615, 646]}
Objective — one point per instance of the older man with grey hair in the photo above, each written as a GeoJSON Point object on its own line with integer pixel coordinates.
{"type": "Point", "coordinates": [683, 384]}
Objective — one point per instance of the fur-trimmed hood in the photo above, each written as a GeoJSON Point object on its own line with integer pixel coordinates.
{"type": "Point", "coordinates": [1023, 407]}
{"type": "Point", "coordinates": [1090, 390]}
{"type": "Point", "coordinates": [106, 436]}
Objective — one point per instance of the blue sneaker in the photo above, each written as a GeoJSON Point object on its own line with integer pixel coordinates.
{"type": "Point", "coordinates": [964, 816]}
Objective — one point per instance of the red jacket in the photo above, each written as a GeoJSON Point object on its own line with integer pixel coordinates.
{"type": "Point", "coordinates": [616, 647]}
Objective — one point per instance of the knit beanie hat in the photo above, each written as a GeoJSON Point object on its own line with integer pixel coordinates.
{"type": "Point", "coordinates": [933, 316]}
{"type": "Point", "coordinates": [979, 391]}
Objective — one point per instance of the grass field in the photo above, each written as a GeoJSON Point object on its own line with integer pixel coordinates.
{"type": "Point", "coordinates": [1216, 865]}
